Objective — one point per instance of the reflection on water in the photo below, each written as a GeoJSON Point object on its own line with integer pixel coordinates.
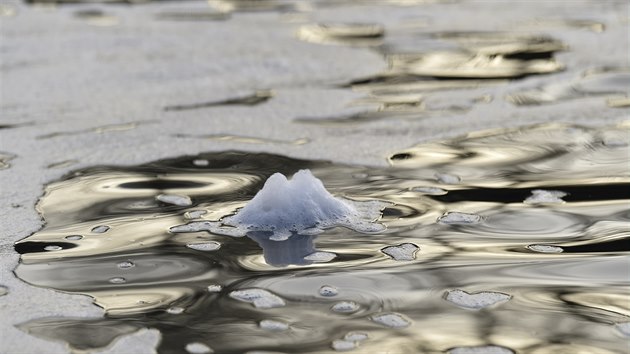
{"type": "Point", "coordinates": [467, 262]}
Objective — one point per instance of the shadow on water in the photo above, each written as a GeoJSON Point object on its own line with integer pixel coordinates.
{"type": "Point", "coordinates": [538, 214]}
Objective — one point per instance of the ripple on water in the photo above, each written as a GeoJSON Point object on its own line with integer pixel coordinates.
{"type": "Point", "coordinates": [392, 320]}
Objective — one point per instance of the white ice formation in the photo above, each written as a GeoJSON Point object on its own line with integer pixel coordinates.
{"type": "Point", "coordinates": [301, 205]}
{"type": "Point", "coordinates": [476, 301]}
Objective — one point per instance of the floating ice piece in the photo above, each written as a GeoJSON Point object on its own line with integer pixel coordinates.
{"type": "Point", "coordinates": [447, 178]}
{"type": "Point", "coordinates": [274, 326]}
{"type": "Point", "coordinates": [175, 199]}
{"type": "Point", "coordinates": [540, 196]}
{"type": "Point", "coordinates": [302, 205]}
{"type": "Point", "coordinates": [74, 237]}
{"type": "Point", "coordinates": [261, 298]}
{"type": "Point", "coordinates": [53, 248]}
{"type": "Point", "coordinates": [328, 290]}
{"type": "Point", "coordinates": [483, 349]}
{"type": "Point", "coordinates": [198, 348]}
{"type": "Point", "coordinates": [175, 310]}
{"type": "Point", "coordinates": [457, 218]}
{"type": "Point", "coordinates": [402, 252]}
{"type": "Point", "coordinates": [214, 288]}
{"type": "Point", "coordinates": [392, 320]}
{"type": "Point", "coordinates": [475, 301]}
{"type": "Point", "coordinates": [355, 336]}
{"type": "Point", "coordinates": [342, 345]}
{"type": "Point", "coordinates": [430, 190]}
{"type": "Point", "coordinates": [345, 307]}
{"type": "Point", "coordinates": [545, 248]}
{"type": "Point", "coordinates": [100, 229]}
{"type": "Point", "coordinates": [125, 265]}
{"type": "Point", "coordinates": [205, 246]}
{"type": "Point", "coordinates": [320, 257]}
{"type": "Point", "coordinates": [201, 162]}
{"type": "Point", "coordinates": [624, 328]}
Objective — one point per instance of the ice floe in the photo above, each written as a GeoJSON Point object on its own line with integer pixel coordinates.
{"type": "Point", "coordinates": [475, 301]}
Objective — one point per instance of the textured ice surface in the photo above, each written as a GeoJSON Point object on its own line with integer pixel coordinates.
{"type": "Point", "coordinates": [457, 218]}
{"type": "Point", "coordinates": [485, 349]}
{"type": "Point", "coordinates": [204, 246]}
{"type": "Point", "coordinates": [476, 301]}
{"type": "Point", "coordinates": [540, 196]}
{"type": "Point", "coordinates": [402, 252]}
{"type": "Point", "coordinates": [328, 290]}
{"type": "Point", "coordinates": [302, 205]}
{"type": "Point", "coordinates": [392, 320]}
{"type": "Point", "coordinates": [261, 298]}
{"type": "Point", "coordinates": [545, 248]}
{"type": "Point", "coordinates": [345, 307]}
{"type": "Point", "coordinates": [320, 257]}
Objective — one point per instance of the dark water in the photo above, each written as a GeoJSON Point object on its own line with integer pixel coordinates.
{"type": "Point", "coordinates": [471, 256]}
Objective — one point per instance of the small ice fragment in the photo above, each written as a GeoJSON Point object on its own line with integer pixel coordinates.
{"type": "Point", "coordinates": [261, 298]}
{"type": "Point", "coordinates": [484, 349]}
{"type": "Point", "coordinates": [100, 229]}
{"type": "Point", "coordinates": [274, 326]}
{"type": "Point", "coordinates": [125, 265]}
{"type": "Point", "coordinates": [117, 280]}
{"type": "Point", "coordinates": [345, 307]}
{"type": "Point", "coordinates": [74, 237]}
{"type": "Point", "coordinates": [475, 301]}
{"type": "Point", "coordinates": [328, 291]}
{"type": "Point", "coordinates": [175, 199]}
{"type": "Point", "coordinates": [430, 190]}
{"type": "Point", "coordinates": [624, 328]}
{"type": "Point", "coordinates": [201, 162]}
{"type": "Point", "coordinates": [545, 248]}
{"type": "Point", "coordinates": [195, 214]}
{"type": "Point", "coordinates": [175, 310]}
{"type": "Point", "coordinates": [402, 252]}
{"type": "Point", "coordinates": [447, 178]}
{"type": "Point", "coordinates": [3, 290]}
{"type": "Point", "coordinates": [195, 226]}
{"type": "Point", "coordinates": [214, 288]}
{"type": "Point", "coordinates": [53, 248]}
{"type": "Point", "coordinates": [457, 218]}
{"type": "Point", "coordinates": [341, 345]}
{"type": "Point", "coordinates": [356, 336]}
{"type": "Point", "coordinates": [204, 246]}
{"type": "Point", "coordinates": [392, 320]}
{"type": "Point", "coordinates": [540, 196]}
{"type": "Point", "coordinates": [281, 235]}
{"type": "Point", "coordinates": [321, 257]}
{"type": "Point", "coordinates": [198, 348]}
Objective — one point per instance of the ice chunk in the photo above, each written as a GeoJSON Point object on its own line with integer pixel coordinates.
{"type": "Point", "coordinates": [175, 199]}
{"type": "Point", "coordinates": [402, 252]}
{"type": "Point", "coordinates": [356, 336]}
{"type": "Point", "coordinates": [457, 218]}
{"type": "Point", "coordinates": [320, 257]}
{"type": "Point", "coordinates": [447, 178]}
{"type": "Point", "coordinates": [198, 348]}
{"type": "Point", "coordinates": [545, 248]}
{"type": "Point", "coordinates": [261, 298]}
{"type": "Point", "coordinates": [204, 246]}
{"type": "Point", "coordinates": [341, 345]}
{"type": "Point", "coordinates": [540, 196]}
{"type": "Point", "coordinates": [476, 301]}
{"type": "Point", "coordinates": [345, 307]}
{"type": "Point", "coordinates": [303, 205]}
{"type": "Point", "coordinates": [392, 320]}
{"type": "Point", "coordinates": [328, 290]}
{"type": "Point", "coordinates": [214, 288]}
{"type": "Point", "coordinates": [274, 326]}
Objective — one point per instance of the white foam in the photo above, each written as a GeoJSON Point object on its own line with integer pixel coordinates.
{"type": "Point", "coordinates": [402, 252]}
{"type": "Point", "coordinates": [476, 301]}
{"type": "Point", "coordinates": [260, 298]}
{"type": "Point", "coordinates": [540, 196]}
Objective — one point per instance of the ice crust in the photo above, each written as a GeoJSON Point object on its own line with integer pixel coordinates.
{"type": "Point", "coordinates": [301, 205]}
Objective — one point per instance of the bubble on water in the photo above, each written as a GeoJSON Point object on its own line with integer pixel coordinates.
{"type": "Point", "coordinates": [447, 178]}
{"type": "Point", "coordinates": [321, 257]}
{"type": "Point", "coordinates": [392, 320]}
{"type": "Point", "coordinates": [475, 301]}
{"type": "Point", "coordinates": [201, 162]}
{"type": "Point", "coordinates": [175, 310]}
{"type": "Point", "coordinates": [74, 237]}
{"type": "Point", "coordinates": [341, 345]}
{"type": "Point", "coordinates": [214, 288]}
{"type": "Point", "coordinates": [205, 246]}
{"type": "Point", "coordinates": [345, 307]}
{"type": "Point", "coordinates": [457, 218]}
{"type": "Point", "coordinates": [540, 196]}
{"type": "Point", "coordinates": [100, 229]}
{"type": "Point", "coordinates": [402, 252]}
{"type": "Point", "coordinates": [328, 290]}
{"type": "Point", "coordinates": [117, 280]}
{"type": "Point", "coordinates": [274, 326]}
{"type": "Point", "coordinates": [356, 336]}
{"type": "Point", "coordinates": [484, 349]}
{"type": "Point", "coordinates": [125, 265]}
{"type": "Point", "coordinates": [175, 199]}
{"type": "Point", "coordinates": [195, 214]}
{"type": "Point", "coordinates": [53, 248]}
{"type": "Point", "coordinates": [3, 290]}
{"type": "Point", "coordinates": [198, 348]}
{"type": "Point", "coordinates": [260, 298]}
{"type": "Point", "coordinates": [430, 190]}
{"type": "Point", "coordinates": [624, 328]}
{"type": "Point", "coordinates": [545, 248]}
